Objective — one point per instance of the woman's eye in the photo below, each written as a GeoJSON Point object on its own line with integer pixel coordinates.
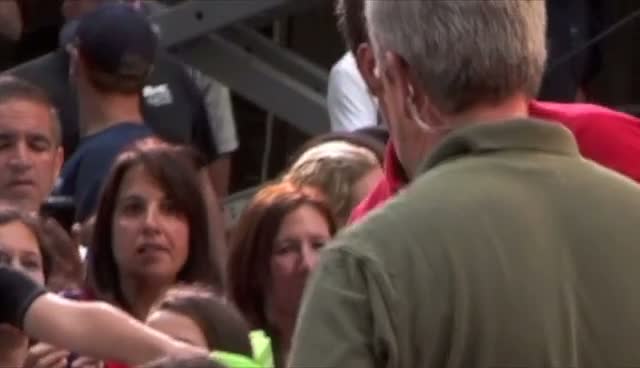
{"type": "Point", "coordinates": [32, 265]}
{"type": "Point", "coordinates": [318, 244]}
{"type": "Point", "coordinates": [132, 208]}
{"type": "Point", "coordinates": [286, 248]}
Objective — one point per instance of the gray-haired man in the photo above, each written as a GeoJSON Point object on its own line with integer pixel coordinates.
{"type": "Point", "coordinates": [508, 249]}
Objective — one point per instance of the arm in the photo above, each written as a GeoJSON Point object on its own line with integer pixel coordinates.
{"type": "Point", "coordinates": [216, 220]}
{"type": "Point", "coordinates": [219, 109]}
{"type": "Point", "coordinates": [219, 174]}
{"type": "Point", "coordinates": [73, 325]}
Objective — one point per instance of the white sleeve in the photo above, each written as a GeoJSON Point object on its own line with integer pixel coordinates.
{"type": "Point", "coordinates": [219, 109]}
{"type": "Point", "coordinates": [349, 103]}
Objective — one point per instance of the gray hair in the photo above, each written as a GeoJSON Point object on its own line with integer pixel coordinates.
{"type": "Point", "coordinates": [13, 88]}
{"type": "Point", "coordinates": [464, 52]}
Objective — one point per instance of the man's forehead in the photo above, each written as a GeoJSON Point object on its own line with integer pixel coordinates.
{"type": "Point", "coordinates": [26, 109]}
{"type": "Point", "coordinates": [25, 116]}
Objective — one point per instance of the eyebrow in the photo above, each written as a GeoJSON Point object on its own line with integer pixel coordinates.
{"type": "Point", "coordinates": [131, 197]}
{"type": "Point", "coordinates": [6, 249]}
{"type": "Point", "coordinates": [39, 136]}
{"type": "Point", "coordinates": [31, 253]}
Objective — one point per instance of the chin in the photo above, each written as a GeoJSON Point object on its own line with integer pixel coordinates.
{"type": "Point", "coordinates": [159, 274]}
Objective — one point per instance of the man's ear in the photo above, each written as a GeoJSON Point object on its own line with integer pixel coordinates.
{"type": "Point", "coordinates": [367, 66]}
{"type": "Point", "coordinates": [396, 73]}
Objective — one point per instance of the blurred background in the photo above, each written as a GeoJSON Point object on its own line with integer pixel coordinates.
{"type": "Point", "coordinates": [288, 47]}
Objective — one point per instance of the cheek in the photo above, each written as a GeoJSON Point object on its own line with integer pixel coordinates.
{"type": "Point", "coordinates": [178, 232]}
{"type": "Point", "coordinates": [45, 168]}
{"type": "Point", "coordinates": [38, 276]}
{"type": "Point", "coordinates": [282, 266]}
{"type": "Point", "coordinates": [123, 234]}
{"type": "Point", "coordinates": [285, 274]}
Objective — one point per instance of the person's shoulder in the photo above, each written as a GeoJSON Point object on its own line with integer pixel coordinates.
{"type": "Point", "coordinates": [579, 117]}
{"type": "Point", "coordinates": [347, 63]}
{"type": "Point", "coordinates": [168, 66]}
{"type": "Point", "coordinates": [175, 76]}
{"type": "Point", "coordinates": [48, 71]}
{"type": "Point", "coordinates": [608, 137]}
{"type": "Point", "coordinates": [345, 72]}
{"type": "Point", "coordinates": [42, 64]}
{"type": "Point", "coordinates": [387, 220]}
{"type": "Point", "coordinates": [109, 140]}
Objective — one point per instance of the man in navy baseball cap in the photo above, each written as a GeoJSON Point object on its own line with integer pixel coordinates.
{"type": "Point", "coordinates": [113, 53]}
{"type": "Point", "coordinates": [117, 46]}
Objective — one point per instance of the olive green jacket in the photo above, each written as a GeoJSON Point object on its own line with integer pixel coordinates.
{"type": "Point", "coordinates": [510, 250]}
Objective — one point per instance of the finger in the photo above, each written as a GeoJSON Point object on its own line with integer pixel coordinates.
{"type": "Point", "coordinates": [85, 362]}
{"type": "Point", "coordinates": [62, 363]}
{"type": "Point", "coordinates": [51, 360]}
{"type": "Point", "coordinates": [36, 353]}
{"type": "Point", "coordinates": [41, 349]}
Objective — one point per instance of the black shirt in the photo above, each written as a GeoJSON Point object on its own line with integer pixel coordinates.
{"type": "Point", "coordinates": [18, 293]}
{"type": "Point", "coordinates": [172, 105]}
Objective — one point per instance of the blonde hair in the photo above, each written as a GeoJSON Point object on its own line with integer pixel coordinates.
{"type": "Point", "coordinates": [334, 168]}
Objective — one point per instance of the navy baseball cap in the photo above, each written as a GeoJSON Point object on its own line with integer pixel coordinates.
{"type": "Point", "coordinates": [117, 39]}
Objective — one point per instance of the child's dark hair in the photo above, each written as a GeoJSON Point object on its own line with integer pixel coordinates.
{"type": "Point", "coordinates": [199, 362]}
{"type": "Point", "coordinates": [220, 323]}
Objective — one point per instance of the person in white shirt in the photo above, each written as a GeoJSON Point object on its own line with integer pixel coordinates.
{"type": "Point", "coordinates": [352, 83]}
{"type": "Point", "coordinates": [350, 104]}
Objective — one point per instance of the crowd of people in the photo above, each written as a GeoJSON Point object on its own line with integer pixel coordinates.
{"type": "Point", "coordinates": [463, 223]}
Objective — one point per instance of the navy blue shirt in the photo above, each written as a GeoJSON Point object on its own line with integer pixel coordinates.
{"type": "Point", "coordinates": [83, 174]}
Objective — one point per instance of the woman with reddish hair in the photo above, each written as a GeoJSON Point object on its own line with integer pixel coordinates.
{"type": "Point", "coordinates": [273, 249]}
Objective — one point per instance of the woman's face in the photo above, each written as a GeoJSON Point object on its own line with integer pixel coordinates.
{"type": "Point", "coordinates": [150, 236]}
{"type": "Point", "coordinates": [301, 235]}
{"type": "Point", "coordinates": [19, 248]}
{"type": "Point", "coordinates": [178, 326]}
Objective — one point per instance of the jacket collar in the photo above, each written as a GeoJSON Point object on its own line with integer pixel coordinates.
{"type": "Point", "coordinates": [519, 134]}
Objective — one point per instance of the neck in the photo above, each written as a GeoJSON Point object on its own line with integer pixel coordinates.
{"type": "Point", "coordinates": [100, 111]}
{"type": "Point", "coordinates": [512, 108]}
{"type": "Point", "coordinates": [141, 295]}
{"type": "Point", "coordinates": [284, 328]}
{"type": "Point", "coordinates": [13, 349]}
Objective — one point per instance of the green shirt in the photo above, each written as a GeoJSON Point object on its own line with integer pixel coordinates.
{"type": "Point", "coordinates": [510, 250]}
{"type": "Point", "coordinates": [262, 354]}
